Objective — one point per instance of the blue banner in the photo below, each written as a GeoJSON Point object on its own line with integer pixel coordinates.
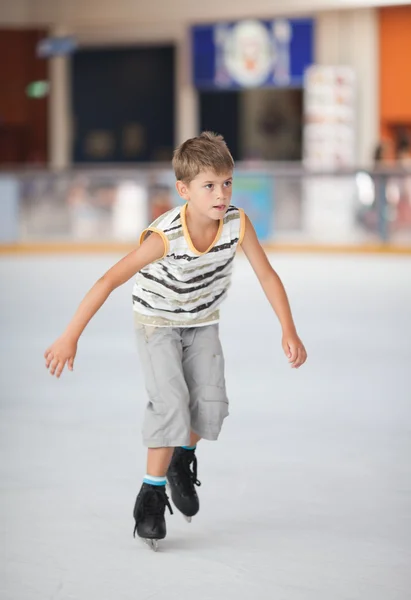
{"type": "Point", "coordinates": [252, 53]}
{"type": "Point", "coordinates": [9, 209]}
{"type": "Point", "coordinates": [254, 192]}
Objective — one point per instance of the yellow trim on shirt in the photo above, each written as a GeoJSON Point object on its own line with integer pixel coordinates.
{"type": "Point", "coordinates": [187, 234]}
{"type": "Point", "coordinates": [161, 234]}
{"type": "Point", "coordinates": [242, 226]}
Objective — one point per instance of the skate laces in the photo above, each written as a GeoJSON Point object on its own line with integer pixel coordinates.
{"type": "Point", "coordinates": [153, 503]}
{"type": "Point", "coordinates": [188, 459]}
{"type": "Point", "coordinates": [194, 473]}
{"type": "Point", "coordinates": [156, 503]}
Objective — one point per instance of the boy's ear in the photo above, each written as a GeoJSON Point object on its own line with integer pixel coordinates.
{"type": "Point", "coordinates": [182, 190]}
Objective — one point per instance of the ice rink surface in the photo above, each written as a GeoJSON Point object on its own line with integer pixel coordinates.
{"type": "Point", "coordinates": [307, 495]}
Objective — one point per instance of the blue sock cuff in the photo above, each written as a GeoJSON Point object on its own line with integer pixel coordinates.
{"type": "Point", "coordinates": [159, 481]}
{"type": "Point", "coordinates": [189, 447]}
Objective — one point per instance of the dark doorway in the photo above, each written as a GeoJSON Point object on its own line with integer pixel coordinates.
{"type": "Point", "coordinates": [260, 123]}
{"type": "Point", "coordinates": [219, 112]}
{"type": "Point", "coordinates": [123, 104]}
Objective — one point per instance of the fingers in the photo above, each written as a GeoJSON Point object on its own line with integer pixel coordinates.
{"type": "Point", "coordinates": [56, 364]}
{"type": "Point", "coordinates": [286, 349]}
{"type": "Point", "coordinates": [300, 359]}
{"type": "Point", "coordinates": [49, 357]}
{"type": "Point", "coordinates": [293, 353]}
{"type": "Point", "coordinates": [60, 368]}
{"type": "Point", "coordinates": [53, 365]}
{"type": "Point", "coordinates": [296, 363]}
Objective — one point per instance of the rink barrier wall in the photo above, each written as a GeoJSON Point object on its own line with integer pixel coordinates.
{"type": "Point", "coordinates": [292, 209]}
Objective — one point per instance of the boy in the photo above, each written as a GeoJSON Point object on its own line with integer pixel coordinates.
{"type": "Point", "coordinates": [183, 269]}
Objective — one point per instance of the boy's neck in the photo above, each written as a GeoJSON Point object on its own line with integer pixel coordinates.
{"type": "Point", "coordinates": [198, 222]}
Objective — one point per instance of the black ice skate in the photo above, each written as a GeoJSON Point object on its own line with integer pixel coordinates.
{"type": "Point", "coordinates": [182, 477]}
{"type": "Point", "coordinates": [149, 512]}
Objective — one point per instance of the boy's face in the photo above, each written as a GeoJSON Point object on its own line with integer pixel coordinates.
{"type": "Point", "coordinates": [208, 193]}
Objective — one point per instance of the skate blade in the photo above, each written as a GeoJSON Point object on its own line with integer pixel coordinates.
{"type": "Point", "coordinates": [152, 544]}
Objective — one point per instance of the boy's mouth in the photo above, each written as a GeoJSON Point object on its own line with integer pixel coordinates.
{"type": "Point", "coordinates": [220, 207]}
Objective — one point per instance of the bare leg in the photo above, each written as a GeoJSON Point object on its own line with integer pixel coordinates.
{"type": "Point", "coordinates": [158, 460]}
{"type": "Point", "coordinates": [194, 438]}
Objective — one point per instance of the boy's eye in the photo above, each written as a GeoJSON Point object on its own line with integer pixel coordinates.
{"type": "Point", "coordinates": [210, 186]}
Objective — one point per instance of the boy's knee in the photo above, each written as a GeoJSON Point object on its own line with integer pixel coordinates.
{"type": "Point", "coordinates": [167, 423]}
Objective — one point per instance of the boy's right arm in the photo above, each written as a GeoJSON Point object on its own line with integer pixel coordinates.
{"type": "Point", "coordinates": [64, 349]}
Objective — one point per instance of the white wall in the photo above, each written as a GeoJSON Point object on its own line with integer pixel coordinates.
{"type": "Point", "coordinates": [98, 12]}
{"type": "Point", "coordinates": [14, 12]}
{"type": "Point", "coordinates": [351, 38]}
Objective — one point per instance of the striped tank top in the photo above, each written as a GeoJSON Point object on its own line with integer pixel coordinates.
{"type": "Point", "coordinates": [185, 287]}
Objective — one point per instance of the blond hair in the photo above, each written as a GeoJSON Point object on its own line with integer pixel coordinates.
{"type": "Point", "coordinates": [206, 151]}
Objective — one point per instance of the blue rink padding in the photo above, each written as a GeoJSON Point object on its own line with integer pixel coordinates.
{"type": "Point", "coordinates": [9, 209]}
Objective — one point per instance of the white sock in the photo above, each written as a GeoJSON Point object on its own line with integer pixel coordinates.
{"type": "Point", "coordinates": [150, 479]}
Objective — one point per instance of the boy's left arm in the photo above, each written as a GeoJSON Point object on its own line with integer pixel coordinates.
{"type": "Point", "coordinates": [275, 292]}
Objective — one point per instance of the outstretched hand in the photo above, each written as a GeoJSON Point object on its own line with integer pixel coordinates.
{"type": "Point", "coordinates": [61, 352]}
{"type": "Point", "coordinates": [294, 350]}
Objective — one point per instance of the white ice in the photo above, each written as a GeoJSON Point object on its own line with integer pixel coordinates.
{"type": "Point", "coordinates": [307, 495]}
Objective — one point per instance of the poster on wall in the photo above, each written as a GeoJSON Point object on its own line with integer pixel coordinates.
{"type": "Point", "coordinates": [252, 53]}
{"type": "Point", "coordinates": [329, 118]}
{"type": "Point", "coordinates": [329, 145]}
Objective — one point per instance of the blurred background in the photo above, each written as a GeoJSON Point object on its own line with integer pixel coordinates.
{"type": "Point", "coordinates": [313, 98]}
{"type": "Point", "coordinates": [307, 495]}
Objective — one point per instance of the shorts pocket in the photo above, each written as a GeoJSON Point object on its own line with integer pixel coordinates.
{"type": "Point", "coordinates": [154, 420]}
{"type": "Point", "coordinates": [214, 408]}
{"type": "Point", "coordinates": [216, 375]}
{"type": "Point", "coordinates": [156, 407]}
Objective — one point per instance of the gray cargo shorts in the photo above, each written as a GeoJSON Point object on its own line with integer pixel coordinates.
{"type": "Point", "coordinates": [184, 377]}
